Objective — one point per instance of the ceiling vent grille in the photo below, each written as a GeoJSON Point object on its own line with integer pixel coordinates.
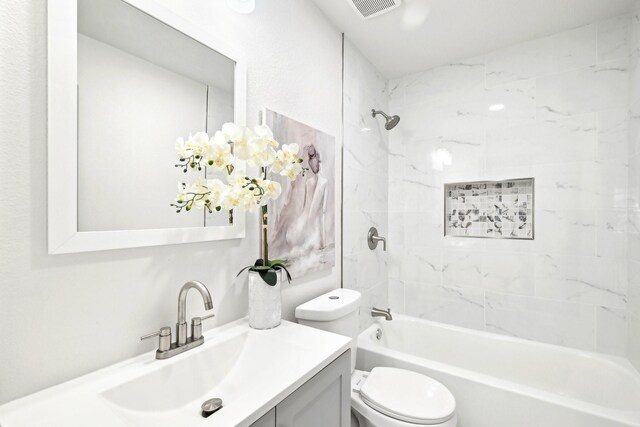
{"type": "Point", "coordinates": [368, 9]}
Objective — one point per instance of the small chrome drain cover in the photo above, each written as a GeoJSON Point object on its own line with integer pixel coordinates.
{"type": "Point", "coordinates": [210, 406]}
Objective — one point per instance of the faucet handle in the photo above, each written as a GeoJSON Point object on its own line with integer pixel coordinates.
{"type": "Point", "coordinates": [164, 341]}
{"type": "Point", "coordinates": [196, 326]}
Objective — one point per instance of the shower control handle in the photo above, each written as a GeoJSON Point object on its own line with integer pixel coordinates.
{"type": "Point", "coordinates": [373, 239]}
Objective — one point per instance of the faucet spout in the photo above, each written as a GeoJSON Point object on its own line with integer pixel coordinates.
{"type": "Point", "coordinates": [181, 329]}
{"type": "Point", "coordinates": [376, 312]}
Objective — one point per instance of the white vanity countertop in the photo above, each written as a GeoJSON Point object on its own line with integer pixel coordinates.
{"type": "Point", "coordinates": [251, 370]}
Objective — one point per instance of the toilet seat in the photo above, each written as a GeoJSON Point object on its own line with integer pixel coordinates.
{"type": "Point", "coordinates": [407, 396]}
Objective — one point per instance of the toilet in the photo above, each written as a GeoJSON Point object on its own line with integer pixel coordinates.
{"type": "Point", "coordinates": [386, 396]}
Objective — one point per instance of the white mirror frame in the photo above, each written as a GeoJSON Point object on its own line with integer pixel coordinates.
{"type": "Point", "coordinates": [63, 234]}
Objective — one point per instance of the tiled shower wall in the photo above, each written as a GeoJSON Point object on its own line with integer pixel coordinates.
{"type": "Point", "coordinates": [564, 122]}
{"type": "Point", "coordinates": [365, 181]}
{"type": "Point", "coordinates": [634, 194]}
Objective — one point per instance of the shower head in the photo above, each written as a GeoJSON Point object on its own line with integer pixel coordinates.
{"type": "Point", "coordinates": [390, 121]}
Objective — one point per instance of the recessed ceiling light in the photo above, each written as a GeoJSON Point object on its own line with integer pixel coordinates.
{"type": "Point", "coordinates": [496, 107]}
{"type": "Point", "coordinates": [242, 6]}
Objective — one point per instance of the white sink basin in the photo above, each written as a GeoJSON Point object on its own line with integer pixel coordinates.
{"type": "Point", "coordinates": [215, 369]}
{"type": "Point", "coordinates": [251, 371]}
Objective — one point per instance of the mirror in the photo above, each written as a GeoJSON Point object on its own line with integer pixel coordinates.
{"type": "Point", "coordinates": [124, 84]}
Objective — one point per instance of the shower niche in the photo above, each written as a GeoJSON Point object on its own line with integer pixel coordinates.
{"type": "Point", "coordinates": [490, 209]}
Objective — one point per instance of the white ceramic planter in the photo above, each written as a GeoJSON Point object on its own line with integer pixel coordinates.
{"type": "Point", "coordinates": [265, 302]}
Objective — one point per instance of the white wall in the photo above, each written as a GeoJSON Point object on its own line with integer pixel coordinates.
{"type": "Point", "coordinates": [564, 123]}
{"type": "Point", "coordinates": [633, 246]}
{"type": "Point", "coordinates": [365, 181]}
{"type": "Point", "coordinates": [62, 316]}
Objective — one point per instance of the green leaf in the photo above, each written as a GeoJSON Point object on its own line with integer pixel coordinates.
{"type": "Point", "coordinates": [269, 276]}
{"type": "Point", "coordinates": [276, 261]}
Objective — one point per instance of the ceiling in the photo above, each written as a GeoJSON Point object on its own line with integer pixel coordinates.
{"type": "Point", "coordinates": [421, 34]}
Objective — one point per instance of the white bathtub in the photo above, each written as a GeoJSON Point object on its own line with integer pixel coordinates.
{"type": "Point", "coordinates": [501, 381]}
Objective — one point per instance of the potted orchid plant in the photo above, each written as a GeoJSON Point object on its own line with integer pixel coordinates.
{"type": "Point", "coordinates": [242, 191]}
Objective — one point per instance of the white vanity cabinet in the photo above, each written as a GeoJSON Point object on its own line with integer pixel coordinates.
{"type": "Point", "coordinates": [267, 420]}
{"type": "Point", "coordinates": [323, 401]}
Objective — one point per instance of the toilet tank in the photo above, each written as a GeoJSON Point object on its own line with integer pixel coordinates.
{"type": "Point", "coordinates": [336, 311]}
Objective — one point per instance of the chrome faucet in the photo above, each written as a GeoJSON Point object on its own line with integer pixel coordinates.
{"type": "Point", "coordinates": [376, 312]}
{"type": "Point", "coordinates": [166, 348]}
{"type": "Point", "coordinates": [181, 326]}
{"type": "Point", "coordinates": [373, 239]}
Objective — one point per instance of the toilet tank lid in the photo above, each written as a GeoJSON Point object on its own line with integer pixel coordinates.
{"type": "Point", "coordinates": [330, 306]}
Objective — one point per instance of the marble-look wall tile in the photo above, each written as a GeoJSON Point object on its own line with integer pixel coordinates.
{"type": "Point", "coordinates": [439, 82]}
{"type": "Point", "coordinates": [633, 213]}
{"type": "Point", "coordinates": [462, 307]}
{"type": "Point", "coordinates": [570, 139]}
{"type": "Point", "coordinates": [512, 273]}
{"type": "Point", "coordinates": [396, 296]}
{"type": "Point", "coordinates": [634, 125]}
{"type": "Point", "coordinates": [613, 132]}
{"type": "Point", "coordinates": [421, 265]}
{"type": "Point", "coordinates": [600, 87]}
{"type": "Point", "coordinates": [589, 280]}
{"type": "Point", "coordinates": [634, 287]}
{"type": "Point", "coordinates": [364, 191]}
{"type": "Point", "coordinates": [462, 152]}
{"type": "Point", "coordinates": [463, 269]}
{"type": "Point", "coordinates": [633, 235]}
{"type": "Point", "coordinates": [614, 38]}
{"type": "Point", "coordinates": [565, 232]}
{"type": "Point", "coordinates": [611, 231]}
{"type": "Point", "coordinates": [549, 55]}
{"type": "Point", "coordinates": [518, 99]}
{"type": "Point", "coordinates": [611, 332]}
{"type": "Point", "coordinates": [554, 322]}
{"type": "Point", "coordinates": [566, 123]}
{"type": "Point", "coordinates": [633, 342]}
{"type": "Point", "coordinates": [356, 228]}
{"type": "Point", "coordinates": [584, 185]}
{"type": "Point", "coordinates": [366, 150]}
{"type": "Point", "coordinates": [424, 229]}
{"type": "Point", "coordinates": [396, 231]}
{"type": "Point", "coordinates": [633, 182]}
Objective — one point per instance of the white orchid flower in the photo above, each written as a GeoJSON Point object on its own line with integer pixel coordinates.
{"type": "Point", "coordinates": [262, 158]}
{"type": "Point", "coordinates": [239, 197]}
{"type": "Point", "coordinates": [237, 179]}
{"type": "Point", "coordinates": [200, 188]}
{"type": "Point", "coordinates": [277, 166]}
{"type": "Point", "coordinates": [290, 152]}
{"type": "Point", "coordinates": [218, 153]}
{"type": "Point", "coordinates": [217, 192]}
{"type": "Point", "coordinates": [272, 190]}
{"type": "Point", "coordinates": [181, 149]}
{"type": "Point", "coordinates": [264, 136]}
{"type": "Point", "coordinates": [291, 171]}
{"type": "Point", "coordinates": [241, 138]}
{"type": "Point", "coordinates": [232, 132]}
{"type": "Point", "coordinates": [198, 143]}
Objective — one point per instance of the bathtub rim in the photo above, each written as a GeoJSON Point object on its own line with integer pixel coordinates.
{"type": "Point", "coordinates": [367, 342]}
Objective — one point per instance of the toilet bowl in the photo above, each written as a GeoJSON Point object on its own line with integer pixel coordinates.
{"type": "Point", "coordinates": [384, 397]}
{"type": "Point", "coordinates": [392, 397]}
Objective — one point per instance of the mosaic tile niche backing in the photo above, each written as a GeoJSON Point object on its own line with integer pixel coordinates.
{"type": "Point", "coordinates": [491, 209]}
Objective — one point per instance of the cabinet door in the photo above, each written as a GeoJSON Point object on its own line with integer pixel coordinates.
{"type": "Point", "coordinates": [267, 420]}
{"type": "Point", "coordinates": [323, 401]}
